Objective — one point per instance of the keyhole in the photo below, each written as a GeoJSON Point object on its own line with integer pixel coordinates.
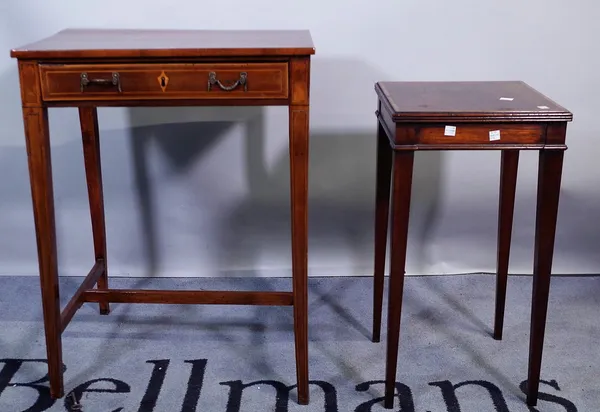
{"type": "Point", "coordinates": [162, 81]}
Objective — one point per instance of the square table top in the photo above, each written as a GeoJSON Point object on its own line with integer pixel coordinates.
{"type": "Point", "coordinates": [132, 43]}
{"type": "Point", "coordinates": [468, 101]}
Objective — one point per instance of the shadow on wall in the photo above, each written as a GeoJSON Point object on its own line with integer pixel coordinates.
{"type": "Point", "coordinates": [475, 223]}
{"type": "Point", "coordinates": [255, 234]}
{"type": "Point", "coordinates": [577, 233]}
{"type": "Point", "coordinates": [182, 144]}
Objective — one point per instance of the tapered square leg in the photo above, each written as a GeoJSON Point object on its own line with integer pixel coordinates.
{"type": "Point", "coordinates": [508, 186]}
{"type": "Point", "coordinates": [402, 170]}
{"type": "Point", "coordinates": [88, 118]}
{"type": "Point", "coordinates": [382, 208]}
{"type": "Point", "coordinates": [549, 180]}
{"type": "Point", "coordinates": [40, 171]}
{"type": "Point", "coordinates": [299, 192]}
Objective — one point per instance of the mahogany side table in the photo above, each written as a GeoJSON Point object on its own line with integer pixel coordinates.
{"type": "Point", "coordinates": [506, 115]}
{"type": "Point", "coordinates": [92, 68]}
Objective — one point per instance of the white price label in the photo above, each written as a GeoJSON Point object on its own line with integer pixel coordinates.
{"type": "Point", "coordinates": [450, 131]}
{"type": "Point", "coordinates": [494, 135]}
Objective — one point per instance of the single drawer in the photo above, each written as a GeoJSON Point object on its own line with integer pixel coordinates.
{"type": "Point", "coordinates": [62, 82]}
{"type": "Point", "coordinates": [493, 133]}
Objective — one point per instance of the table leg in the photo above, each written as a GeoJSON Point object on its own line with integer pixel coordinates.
{"type": "Point", "coordinates": [549, 179]}
{"type": "Point", "coordinates": [382, 209]}
{"type": "Point", "coordinates": [508, 186]}
{"type": "Point", "coordinates": [401, 191]}
{"type": "Point", "coordinates": [299, 136]}
{"type": "Point", "coordinates": [88, 118]}
{"type": "Point", "coordinates": [37, 137]}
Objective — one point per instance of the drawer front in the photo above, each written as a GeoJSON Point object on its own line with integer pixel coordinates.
{"type": "Point", "coordinates": [512, 133]}
{"type": "Point", "coordinates": [164, 81]}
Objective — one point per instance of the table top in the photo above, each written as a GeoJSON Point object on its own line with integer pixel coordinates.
{"type": "Point", "coordinates": [468, 101]}
{"type": "Point", "coordinates": [133, 43]}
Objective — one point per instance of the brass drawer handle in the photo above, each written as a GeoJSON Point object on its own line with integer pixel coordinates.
{"type": "Point", "coordinates": [243, 80]}
{"type": "Point", "coordinates": [114, 81]}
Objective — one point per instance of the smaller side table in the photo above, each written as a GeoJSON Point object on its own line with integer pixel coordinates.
{"type": "Point", "coordinates": [506, 115]}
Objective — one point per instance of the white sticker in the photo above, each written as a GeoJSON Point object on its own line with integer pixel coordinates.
{"type": "Point", "coordinates": [543, 107]}
{"type": "Point", "coordinates": [494, 135]}
{"type": "Point", "coordinates": [510, 99]}
{"type": "Point", "coordinates": [450, 131]}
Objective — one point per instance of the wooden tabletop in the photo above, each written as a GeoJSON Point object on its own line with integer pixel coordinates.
{"type": "Point", "coordinates": [132, 43]}
{"type": "Point", "coordinates": [468, 101]}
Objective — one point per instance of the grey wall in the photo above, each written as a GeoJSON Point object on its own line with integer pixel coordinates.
{"type": "Point", "coordinates": [204, 191]}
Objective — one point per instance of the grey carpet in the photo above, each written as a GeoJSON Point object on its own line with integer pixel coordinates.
{"type": "Point", "coordinates": [167, 358]}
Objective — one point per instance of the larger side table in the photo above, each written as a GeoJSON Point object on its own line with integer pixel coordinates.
{"type": "Point", "coordinates": [91, 68]}
{"type": "Point", "coordinates": [506, 116]}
